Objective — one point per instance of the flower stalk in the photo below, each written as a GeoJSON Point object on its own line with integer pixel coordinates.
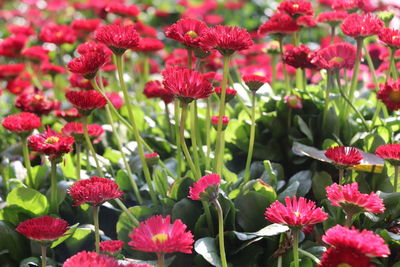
{"type": "Point", "coordinates": [43, 249]}
{"type": "Point", "coordinates": [160, 259]}
{"type": "Point", "coordinates": [285, 73]}
{"type": "Point", "coordinates": [78, 161]}
{"type": "Point", "coordinates": [95, 210]}
{"type": "Point", "coordinates": [53, 187]}
{"type": "Point", "coordinates": [252, 137]}
{"type": "Point", "coordinates": [178, 139]}
{"type": "Point", "coordinates": [295, 233]}
{"type": "Point", "coordinates": [25, 153]}
{"type": "Point", "coordinates": [396, 177]}
{"type": "Point", "coordinates": [221, 233]}
{"type": "Point", "coordinates": [90, 146]}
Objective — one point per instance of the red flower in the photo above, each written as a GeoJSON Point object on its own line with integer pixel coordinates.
{"type": "Point", "coordinates": [81, 82]}
{"type": "Point", "coordinates": [390, 37]}
{"type": "Point", "coordinates": [206, 188]}
{"type": "Point", "coordinates": [296, 8]}
{"type": "Point", "coordinates": [154, 89]}
{"type": "Point", "coordinates": [293, 101]}
{"type": "Point", "coordinates": [226, 39]}
{"type": "Point", "coordinates": [344, 4]}
{"type": "Point", "coordinates": [279, 23]}
{"type": "Point", "coordinates": [115, 99]}
{"type": "Point", "coordinates": [20, 30]}
{"type": "Point", "coordinates": [19, 85]}
{"type": "Point", "coordinates": [51, 143]}
{"type": "Point", "coordinates": [215, 119]}
{"type": "Point", "coordinates": [111, 246]}
{"type": "Point", "coordinates": [333, 18]}
{"type": "Point", "coordinates": [69, 114]}
{"type": "Point", "coordinates": [306, 21]}
{"type": "Point", "coordinates": [149, 44]}
{"type": "Point", "coordinates": [118, 37]}
{"type": "Point", "coordinates": [296, 213]}
{"type": "Point", "coordinates": [43, 229]}
{"type": "Point", "coordinates": [86, 100]}
{"type": "Point", "coordinates": [229, 93]}
{"type": "Point", "coordinates": [389, 152]}
{"type": "Point", "coordinates": [90, 259]}
{"type": "Point", "coordinates": [57, 34]}
{"type": "Point", "coordinates": [48, 68]}
{"type": "Point", "coordinates": [36, 53]}
{"type": "Point", "coordinates": [187, 31]}
{"type": "Point", "coordinates": [360, 26]}
{"type": "Point", "coordinates": [364, 242]}
{"type": "Point", "coordinates": [336, 56]}
{"type": "Point", "coordinates": [35, 103]}
{"type": "Point", "coordinates": [85, 25]}
{"type": "Point", "coordinates": [389, 93]}
{"type": "Point", "coordinates": [75, 129]}
{"type": "Point", "coordinates": [299, 57]}
{"type": "Point", "coordinates": [122, 9]}
{"type": "Point", "coordinates": [92, 47]}
{"type": "Point", "coordinates": [352, 201]}
{"type": "Point", "coordinates": [94, 191]}
{"type": "Point", "coordinates": [186, 84]}
{"type": "Point", "coordinates": [254, 82]}
{"type": "Point", "coordinates": [335, 257]}
{"type": "Point", "coordinates": [156, 234]}
{"type": "Point", "coordinates": [87, 65]}
{"type": "Point", "coordinates": [23, 122]}
{"type": "Point", "coordinates": [344, 156]}
{"type": "Point", "coordinates": [11, 70]}
{"type": "Point", "coordinates": [12, 45]}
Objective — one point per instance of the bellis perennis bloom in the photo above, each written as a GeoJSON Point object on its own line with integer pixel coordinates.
{"type": "Point", "coordinates": [335, 257]}
{"type": "Point", "coordinates": [94, 191]}
{"type": "Point", "coordinates": [353, 201]}
{"type": "Point", "coordinates": [43, 229]}
{"type": "Point", "coordinates": [297, 212]}
{"type": "Point", "coordinates": [86, 101]}
{"type": "Point", "coordinates": [185, 84]}
{"type": "Point", "coordinates": [389, 152]}
{"type": "Point", "coordinates": [279, 23]}
{"type": "Point", "coordinates": [186, 31]}
{"type": "Point", "coordinates": [343, 156]}
{"type": "Point", "coordinates": [22, 123]}
{"type": "Point", "coordinates": [87, 259]}
{"type": "Point", "coordinates": [364, 242]}
{"type": "Point", "coordinates": [390, 37]}
{"type": "Point", "coordinates": [389, 93]}
{"type": "Point", "coordinates": [118, 37]}
{"type": "Point", "coordinates": [215, 119]}
{"type": "Point", "coordinates": [88, 64]}
{"type": "Point", "coordinates": [206, 188]}
{"type": "Point", "coordinates": [156, 234]}
{"type": "Point", "coordinates": [296, 8]}
{"type": "Point", "coordinates": [336, 56]}
{"type": "Point", "coordinates": [111, 246]}
{"type": "Point", "coordinates": [229, 94]}
{"type": "Point", "coordinates": [360, 26]}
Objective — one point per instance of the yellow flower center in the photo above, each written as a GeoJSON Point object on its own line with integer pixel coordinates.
{"type": "Point", "coordinates": [344, 265]}
{"type": "Point", "coordinates": [52, 140]}
{"type": "Point", "coordinates": [296, 6]}
{"type": "Point", "coordinates": [337, 59]}
{"type": "Point", "coordinates": [258, 73]}
{"type": "Point", "coordinates": [297, 214]}
{"type": "Point", "coordinates": [395, 37]}
{"type": "Point", "coordinates": [59, 34]}
{"type": "Point", "coordinates": [159, 238]}
{"type": "Point", "coordinates": [395, 96]}
{"type": "Point", "coordinates": [38, 97]}
{"type": "Point", "coordinates": [192, 34]}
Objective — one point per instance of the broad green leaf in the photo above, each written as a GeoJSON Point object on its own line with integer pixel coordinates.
{"type": "Point", "coordinates": [112, 155]}
{"type": "Point", "coordinates": [68, 166]}
{"type": "Point", "coordinates": [304, 128]}
{"type": "Point", "coordinates": [290, 191]}
{"type": "Point", "coordinates": [82, 236]}
{"type": "Point", "coordinates": [12, 242]}
{"type": "Point", "coordinates": [304, 179]}
{"type": "Point", "coordinates": [206, 248]}
{"type": "Point", "coordinates": [270, 230]}
{"type": "Point", "coordinates": [29, 200]}
{"type": "Point", "coordinates": [67, 235]}
{"type": "Point", "coordinates": [187, 210]}
{"type": "Point", "coordinates": [320, 181]}
{"type": "Point", "coordinates": [39, 175]}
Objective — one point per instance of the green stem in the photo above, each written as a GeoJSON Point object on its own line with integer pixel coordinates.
{"type": "Point", "coordinates": [296, 247]}
{"type": "Point", "coordinates": [167, 118]}
{"type": "Point", "coordinates": [327, 98]}
{"type": "Point", "coordinates": [219, 155]}
{"type": "Point", "coordinates": [43, 249]}
{"type": "Point", "coordinates": [53, 188]}
{"type": "Point", "coordinates": [311, 256]}
{"type": "Point", "coordinates": [341, 176]}
{"type": "Point", "coordinates": [135, 130]}
{"type": "Point", "coordinates": [332, 34]}
{"type": "Point", "coordinates": [396, 177]}
{"type": "Point", "coordinates": [25, 153]}
{"type": "Point", "coordinates": [349, 220]}
{"type": "Point", "coordinates": [221, 233]}
{"type": "Point", "coordinates": [299, 72]}
{"type": "Point", "coordinates": [354, 79]}
{"type": "Point", "coordinates": [193, 135]}
{"type": "Point", "coordinates": [178, 139]}
{"type": "Point", "coordinates": [285, 73]}
{"type": "Point", "coordinates": [185, 150]}
{"type": "Point", "coordinates": [125, 209]}
{"type": "Point", "coordinates": [96, 227]}
{"type": "Point", "coordinates": [349, 102]}
{"type": "Point", "coordinates": [208, 131]}
{"type": "Point", "coordinates": [90, 146]}
{"type": "Point", "coordinates": [392, 65]}
{"type": "Point", "coordinates": [160, 259]}
{"type": "Point", "coordinates": [33, 75]}
{"type": "Point", "coordinates": [146, 69]}
{"type": "Point", "coordinates": [221, 150]}
{"type": "Point", "coordinates": [78, 160]}
{"type": "Point", "coordinates": [273, 65]}
{"type": "Point", "coordinates": [371, 67]}
{"type": "Point", "coordinates": [252, 137]}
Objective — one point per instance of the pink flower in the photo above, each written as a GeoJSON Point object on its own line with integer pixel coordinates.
{"type": "Point", "coordinates": [90, 259]}
{"type": "Point", "coordinates": [206, 188]}
{"type": "Point", "coordinates": [156, 234]}
{"type": "Point", "coordinates": [389, 152]}
{"type": "Point", "coordinates": [111, 246]}
{"type": "Point", "coordinates": [186, 31]}
{"type": "Point", "coordinates": [336, 56]}
{"type": "Point", "coordinates": [360, 26]}
{"type": "Point", "coordinates": [43, 229]}
{"type": "Point", "coordinates": [296, 213]}
{"type": "Point", "coordinates": [365, 242]}
{"type": "Point", "coordinates": [344, 156]}
{"type": "Point", "coordinates": [293, 101]}
{"type": "Point", "coordinates": [335, 257]}
{"type": "Point", "coordinates": [353, 201]}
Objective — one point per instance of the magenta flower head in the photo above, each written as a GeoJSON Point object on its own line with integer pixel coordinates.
{"type": "Point", "coordinates": [389, 152]}
{"type": "Point", "coordinates": [187, 31]}
{"type": "Point", "coordinates": [43, 229]}
{"type": "Point", "coordinates": [206, 188]}
{"type": "Point", "coordinates": [158, 235]}
{"type": "Point", "coordinates": [87, 259]}
{"type": "Point", "coordinates": [94, 191]}
{"type": "Point", "coordinates": [215, 119]}
{"type": "Point", "coordinates": [296, 214]}
{"type": "Point", "coordinates": [343, 156]}
{"type": "Point", "coordinates": [118, 37]}
{"type": "Point", "coordinates": [352, 201]}
{"type": "Point", "coordinates": [111, 247]}
{"type": "Point", "coordinates": [87, 65]}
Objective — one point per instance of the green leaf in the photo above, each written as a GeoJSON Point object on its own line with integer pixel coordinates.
{"type": "Point", "coordinates": [39, 174]}
{"type": "Point", "coordinates": [206, 248]}
{"type": "Point", "coordinates": [304, 128]}
{"type": "Point", "coordinates": [187, 210]}
{"type": "Point", "coordinates": [320, 181]}
{"type": "Point", "coordinates": [29, 200]}
{"type": "Point", "coordinates": [67, 235]}
{"type": "Point", "coordinates": [180, 188]}
{"type": "Point", "coordinates": [290, 191]}
{"type": "Point", "coordinates": [270, 230]}
{"type": "Point", "coordinates": [304, 180]}
{"type": "Point", "coordinates": [123, 181]}
{"type": "Point", "coordinates": [68, 167]}
{"type": "Point", "coordinates": [82, 237]}
{"type": "Point", "coordinates": [12, 242]}
{"type": "Point", "coordinates": [112, 155]}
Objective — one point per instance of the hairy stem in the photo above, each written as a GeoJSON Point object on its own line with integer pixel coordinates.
{"type": "Point", "coordinates": [252, 137]}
